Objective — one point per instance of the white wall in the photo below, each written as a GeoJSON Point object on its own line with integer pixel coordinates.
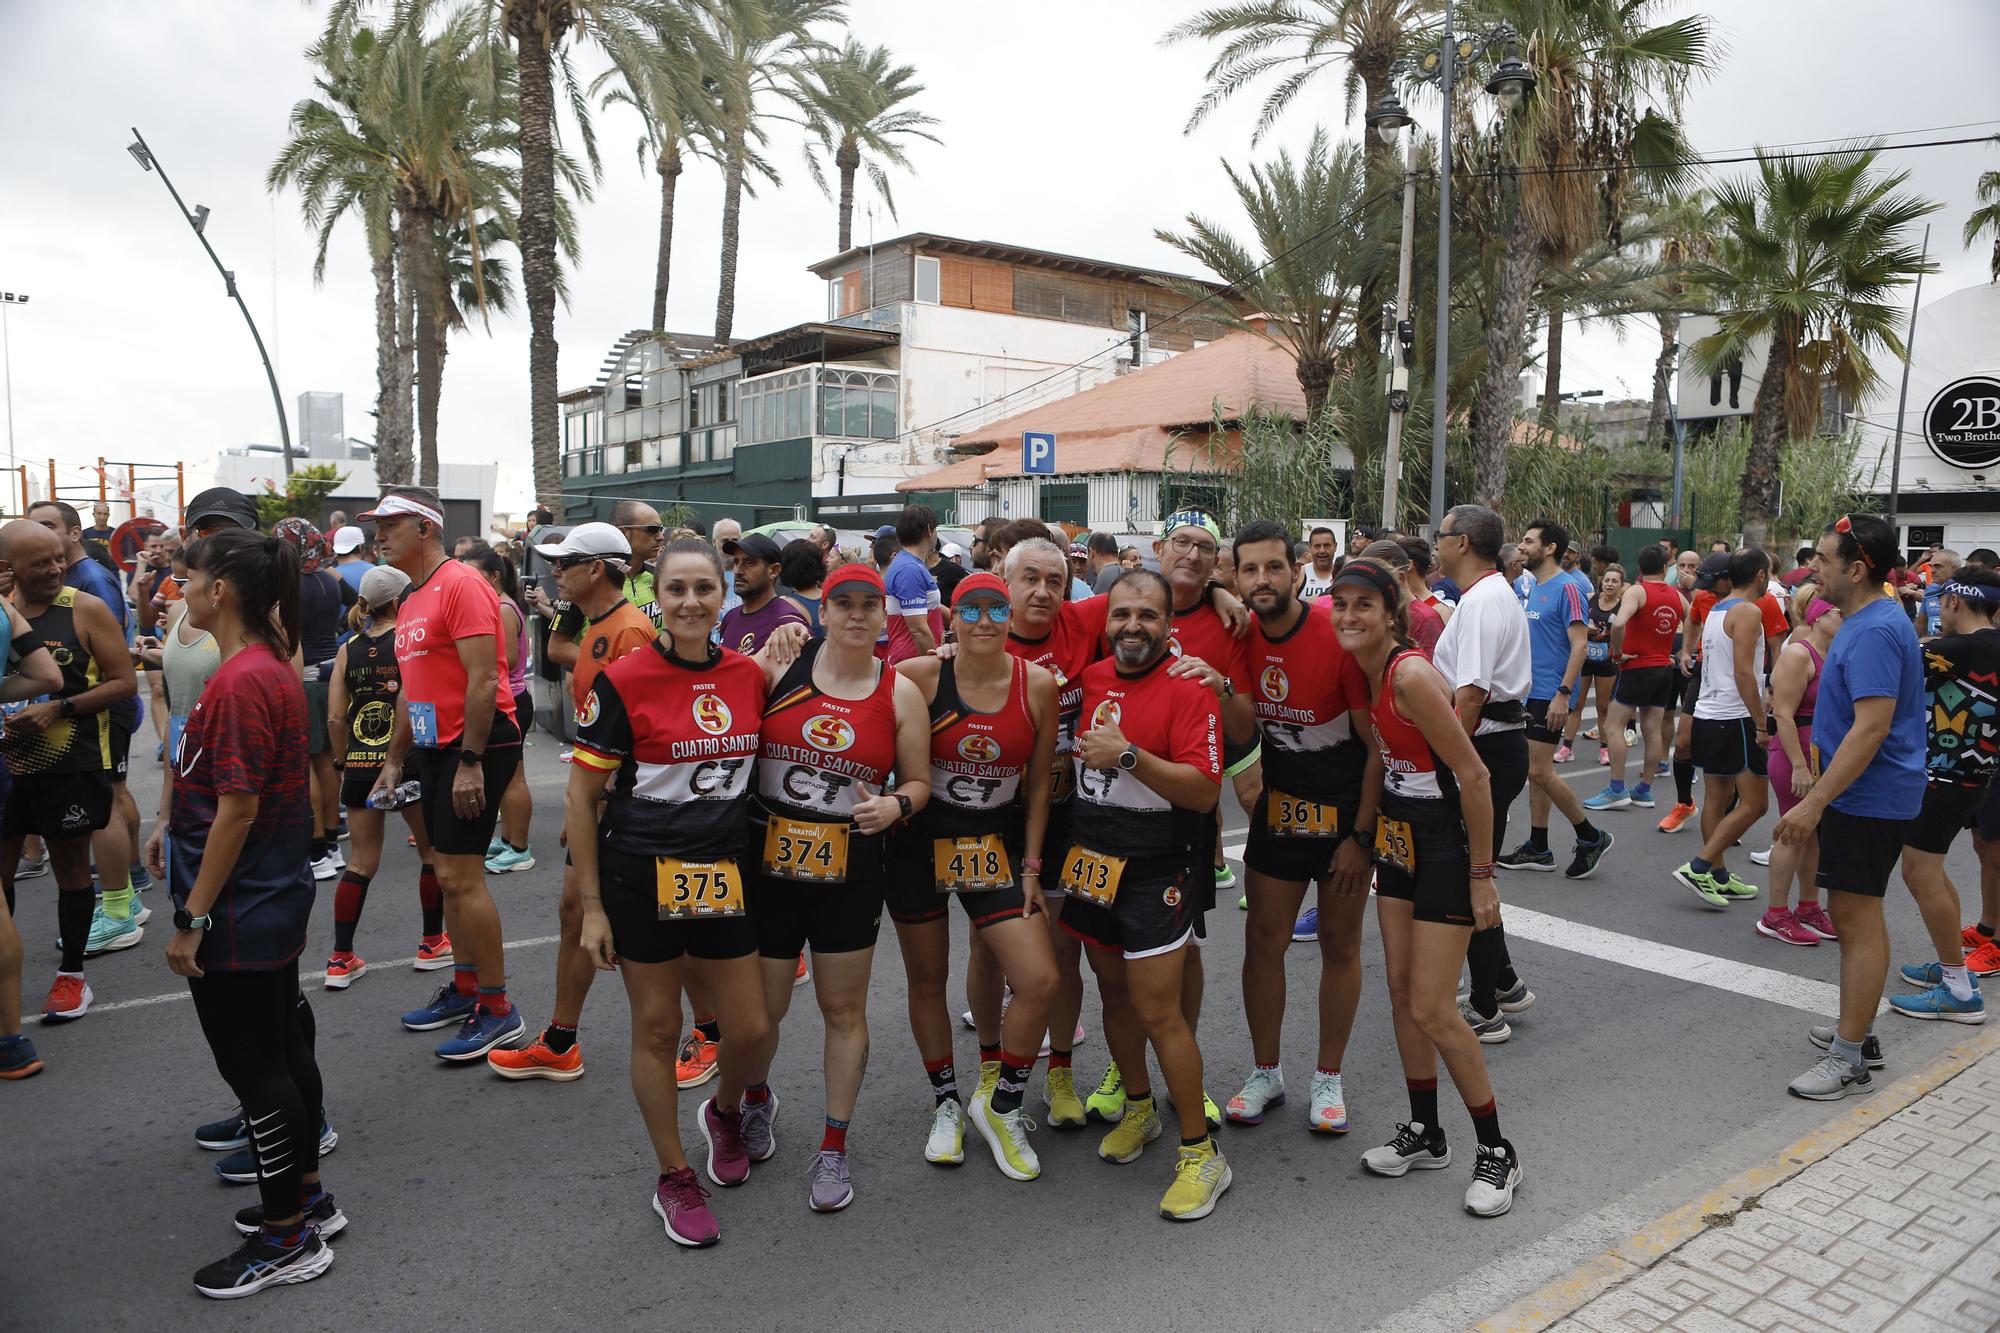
{"type": "Point", "coordinates": [1957, 338]}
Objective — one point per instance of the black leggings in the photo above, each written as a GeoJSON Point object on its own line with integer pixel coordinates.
{"type": "Point", "coordinates": [261, 1032]}
{"type": "Point", "coordinates": [1506, 756]}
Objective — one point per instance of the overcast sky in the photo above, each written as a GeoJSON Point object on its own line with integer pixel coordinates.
{"type": "Point", "coordinates": [1062, 126]}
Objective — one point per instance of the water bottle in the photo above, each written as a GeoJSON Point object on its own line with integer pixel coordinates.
{"type": "Point", "coordinates": [402, 794]}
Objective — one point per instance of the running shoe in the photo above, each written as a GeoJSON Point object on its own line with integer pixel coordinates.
{"type": "Point", "coordinates": [18, 1058]}
{"type": "Point", "coordinates": [803, 974]}
{"type": "Point", "coordinates": [1923, 974]}
{"type": "Point", "coordinates": [537, 1060]}
{"type": "Point", "coordinates": [1821, 1035]}
{"type": "Point", "coordinates": [445, 1008]}
{"type": "Point", "coordinates": [696, 1064]}
{"type": "Point", "coordinates": [1678, 817]}
{"type": "Point", "coordinates": [240, 1167]}
{"type": "Point", "coordinates": [1243, 903]}
{"type": "Point", "coordinates": [759, 1120]}
{"type": "Point", "coordinates": [1736, 888]}
{"type": "Point", "coordinates": [1415, 1148]}
{"type": "Point", "coordinates": [1107, 1104]}
{"type": "Point", "coordinates": [946, 1144]}
{"type": "Point", "coordinates": [139, 877]}
{"type": "Point", "coordinates": [1006, 1133]}
{"type": "Point", "coordinates": [1666, 768]}
{"type": "Point", "coordinates": [1762, 858]}
{"type": "Point", "coordinates": [433, 953]}
{"type": "Point", "coordinates": [340, 830]}
{"type": "Point", "coordinates": [1490, 1031]}
{"type": "Point", "coordinates": [224, 1135]}
{"type": "Point", "coordinates": [1939, 1004]}
{"type": "Point", "coordinates": [1328, 1113]}
{"type": "Point", "coordinates": [108, 933]}
{"type": "Point", "coordinates": [989, 1078]}
{"type": "Point", "coordinates": [1564, 753]}
{"type": "Point", "coordinates": [260, 1262]}
{"type": "Point", "coordinates": [1589, 733]}
{"type": "Point", "coordinates": [1496, 1174]}
{"type": "Point", "coordinates": [832, 1190]}
{"type": "Point", "coordinates": [1702, 885]}
{"type": "Point", "coordinates": [1814, 918]}
{"type": "Point", "coordinates": [1583, 862]}
{"type": "Point", "coordinates": [1611, 798]}
{"type": "Point", "coordinates": [495, 847]}
{"type": "Point", "coordinates": [322, 1212]}
{"type": "Point", "coordinates": [330, 865]}
{"type": "Point", "coordinates": [1603, 757]}
{"type": "Point", "coordinates": [1306, 928]}
{"type": "Point", "coordinates": [480, 1033]}
{"type": "Point", "coordinates": [1830, 1079]}
{"type": "Point", "coordinates": [683, 1207]}
{"type": "Point", "coordinates": [1972, 937]}
{"type": "Point", "coordinates": [1631, 736]}
{"type": "Point", "coordinates": [31, 867]}
{"type": "Point", "coordinates": [513, 862]}
{"type": "Point", "coordinates": [1225, 877]}
{"type": "Point", "coordinates": [1984, 961]}
{"type": "Point", "coordinates": [1201, 1176]}
{"type": "Point", "coordinates": [728, 1160]}
{"type": "Point", "coordinates": [69, 998]}
{"type": "Point", "coordinates": [1065, 1110]}
{"type": "Point", "coordinates": [1076, 1038]}
{"type": "Point", "coordinates": [343, 968]}
{"type": "Point", "coordinates": [1525, 857]}
{"type": "Point", "coordinates": [1129, 1137]}
{"type": "Point", "coordinates": [1516, 999]}
{"type": "Point", "coordinates": [1642, 796]}
{"type": "Point", "coordinates": [1780, 924]}
{"type": "Point", "coordinates": [1264, 1089]}
{"type": "Point", "coordinates": [1210, 1111]}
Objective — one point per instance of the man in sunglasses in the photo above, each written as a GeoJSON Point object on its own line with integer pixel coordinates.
{"type": "Point", "coordinates": [640, 525]}
{"type": "Point", "coordinates": [745, 626]}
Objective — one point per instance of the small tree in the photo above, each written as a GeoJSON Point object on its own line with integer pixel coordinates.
{"type": "Point", "coordinates": [304, 493]}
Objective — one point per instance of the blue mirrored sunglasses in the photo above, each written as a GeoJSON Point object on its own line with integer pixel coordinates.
{"type": "Point", "coordinates": [997, 612]}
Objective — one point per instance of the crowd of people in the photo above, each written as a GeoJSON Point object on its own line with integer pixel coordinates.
{"type": "Point", "coordinates": [774, 744]}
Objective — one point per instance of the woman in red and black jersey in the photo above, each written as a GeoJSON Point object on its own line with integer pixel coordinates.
{"type": "Point", "coordinates": [981, 840]}
{"type": "Point", "coordinates": [1434, 881]}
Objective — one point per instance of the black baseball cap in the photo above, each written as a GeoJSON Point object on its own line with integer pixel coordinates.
{"type": "Point", "coordinates": [757, 544]}
{"type": "Point", "coordinates": [1715, 565]}
{"type": "Point", "coordinates": [221, 502]}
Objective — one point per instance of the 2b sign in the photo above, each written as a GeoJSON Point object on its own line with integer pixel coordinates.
{"type": "Point", "coordinates": [1038, 452]}
{"type": "Point", "coordinates": [1962, 423]}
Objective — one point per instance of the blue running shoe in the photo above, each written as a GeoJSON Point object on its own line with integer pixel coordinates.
{"type": "Point", "coordinates": [240, 1167]}
{"type": "Point", "coordinates": [445, 1008]}
{"type": "Point", "coordinates": [224, 1135]}
{"type": "Point", "coordinates": [109, 932]}
{"type": "Point", "coordinates": [510, 862]}
{"type": "Point", "coordinates": [481, 1033]}
{"type": "Point", "coordinates": [140, 879]}
{"type": "Point", "coordinates": [1307, 926]}
{"type": "Point", "coordinates": [1611, 798]}
{"type": "Point", "coordinates": [1665, 770]}
{"type": "Point", "coordinates": [18, 1058]}
{"type": "Point", "coordinates": [1938, 1003]}
{"type": "Point", "coordinates": [1642, 795]}
{"type": "Point", "coordinates": [1923, 974]}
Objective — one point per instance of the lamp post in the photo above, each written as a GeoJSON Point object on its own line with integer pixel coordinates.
{"type": "Point", "coordinates": [1388, 119]}
{"type": "Point", "coordinates": [197, 221]}
{"type": "Point", "coordinates": [7, 359]}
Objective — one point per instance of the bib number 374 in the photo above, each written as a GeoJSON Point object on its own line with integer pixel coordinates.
{"type": "Point", "coordinates": [806, 850]}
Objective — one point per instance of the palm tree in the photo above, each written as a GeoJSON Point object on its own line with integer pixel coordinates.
{"type": "Point", "coordinates": [857, 106]}
{"type": "Point", "coordinates": [1688, 234]}
{"type": "Point", "coordinates": [1606, 98]}
{"type": "Point", "coordinates": [1987, 218]}
{"type": "Point", "coordinates": [1807, 255]}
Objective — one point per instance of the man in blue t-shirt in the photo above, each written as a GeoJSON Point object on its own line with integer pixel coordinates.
{"type": "Point", "coordinates": [916, 617]}
{"type": "Point", "coordinates": [1557, 624]}
{"type": "Point", "coordinates": [1868, 741]}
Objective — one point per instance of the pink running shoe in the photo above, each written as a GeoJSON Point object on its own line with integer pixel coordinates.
{"type": "Point", "coordinates": [1779, 924]}
{"type": "Point", "coordinates": [1813, 917]}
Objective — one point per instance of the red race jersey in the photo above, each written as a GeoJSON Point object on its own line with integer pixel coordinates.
{"type": "Point", "coordinates": [1200, 633]}
{"type": "Point", "coordinates": [455, 602]}
{"type": "Point", "coordinates": [1649, 636]}
{"type": "Point", "coordinates": [977, 759]}
{"type": "Point", "coordinates": [1171, 717]}
{"type": "Point", "coordinates": [1307, 686]}
{"type": "Point", "coordinates": [818, 750]}
{"type": "Point", "coordinates": [1410, 766]}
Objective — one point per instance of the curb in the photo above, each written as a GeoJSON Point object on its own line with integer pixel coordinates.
{"type": "Point", "coordinates": [1655, 1241]}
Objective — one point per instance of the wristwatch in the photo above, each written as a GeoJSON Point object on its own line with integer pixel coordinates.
{"type": "Point", "coordinates": [904, 802]}
{"type": "Point", "coordinates": [470, 756]}
{"type": "Point", "coordinates": [67, 708]}
{"type": "Point", "coordinates": [1228, 688]}
{"type": "Point", "coordinates": [182, 921]}
{"type": "Point", "coordinates": [1364, 836]}
{"type": "Point", "coordinates": [1128, 758]}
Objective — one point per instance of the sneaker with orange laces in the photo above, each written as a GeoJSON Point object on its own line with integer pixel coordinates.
{"type": "Point", "coordinates": [536, 1060]}
{"type": "Point", "coordinates": [803, 975]}
{"type": "Point", "coordinates": [433, 953]}
{"type": "Point", "coordinates": [1985, 960]}
{"type": "Point", "coordinates": [696, 1064]}
{"type": "Point", "coordinates": [343, 968]}
{"type": "Point", "coordinates": [1678, 816]}
{"type": "Point", "coordinates": [1973, 938]}
{"type": "Point", "coordinates": [69, 998]}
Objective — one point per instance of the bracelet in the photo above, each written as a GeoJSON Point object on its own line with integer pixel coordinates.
{"type": "Point", "coordinates": [1032, 864]}
{"type": "Point", "coordinates": [1484, 870]}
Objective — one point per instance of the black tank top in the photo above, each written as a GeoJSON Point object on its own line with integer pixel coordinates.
{"type": "Point", "coordinates": [70, 745]}
{"type": "Point", "coordinates": [373, 681]}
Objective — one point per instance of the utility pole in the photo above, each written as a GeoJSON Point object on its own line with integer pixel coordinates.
{"type": "Point", "coordinates": [1399, 376]}
{"type": "Point", "coordinates": [1441, 371]}
{"type": "Point", "coordinates": [7, 359]}
{"type": "Point", "coordinates": [1903, 394]}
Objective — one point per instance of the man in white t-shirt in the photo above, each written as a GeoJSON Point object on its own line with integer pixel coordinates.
{"type": "Point", "coordinates": [1315, 578]}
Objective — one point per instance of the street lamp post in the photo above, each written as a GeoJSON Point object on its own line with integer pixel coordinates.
{"type": "Point", "coordinates": [7, 359]}
{"type": "Point", "coordinates": [197, 222]}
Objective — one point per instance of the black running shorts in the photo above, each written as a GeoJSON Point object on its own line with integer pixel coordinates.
{"type": "Point", "coordinates": [452, 835]}
{"type": "Point", "coordinates": [59, 805]}
{"type": "Point", "coordinates": [832, 918]}
{"type": "Point", "coordinates": [316, 704]}
{"type": "Point", "coordinates": [1722, 747]}
{"type": "Point", "coordinates": [1647, 687]}
{"type": "Point", "coordinates": [1438, 886]}
{"type": "Point", "coordinates": [1295, 860]}
{"type": "Point", "coordinates": [1154, 912]}
{"type": "Point", "coordinates": [1988, 820]}
{"type": "Point", "coordinates": [913, 898]}
{"type": "Point", "coordinates": [1947, 812]}
{"type": "Point", "coordinates": [1858, 853]}
{"type": "Point", "coordinates": [355, 784]}
{"type": "Point", "coordinates": [627, 885]}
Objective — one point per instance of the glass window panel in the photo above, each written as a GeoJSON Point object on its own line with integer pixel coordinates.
{"type": "Point", "coordinates": [883, 414]}
{"type": "Point", "coordinates": [830, 400]}
{"type": "Point", "coordinates": [855, 412]}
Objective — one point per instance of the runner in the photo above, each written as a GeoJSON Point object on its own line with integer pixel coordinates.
{"type": "Point", "coordinates": [1484, 658]}
{"type": "Point", "coordinates": [1711, 584]}
{"type": "Point", "coordinates": [60, 753]}
{"type": "Point", "coordinates": [323, 601]}
{"type": "Point", "coordinates": [29, 671]}
{"type": "Point", "coordinates": [1149, 771]}
{"type": "Point", "coordinates": [1558, 644]}
{"type": "Point", "coordinates": [1794, 696]}
{"type": "Point", "coordinates": [1647, 625]}
{"type": "Point", "coordinates": [1434, 878]}
{"type": "Point", "coordinates": [362, 702]}
{"type": "Point", "coordinates": [993, 725]}
{"type": "Point", "coordinates": [590, 575]}
{"type": "Point", "coordinates": [455, 734]}
{"type": "Point", "coordinates": [1427, 611]}
{"type": "Point", "coordinates": [756, 560]}
{"type": "Point", "coordinates": [1729, 728]}
{"type": "Point", "coordinates": [241, 827]}
{"type": "Point", "coordinates": [915, 622]}
{"type": "Point", "coordinates": [1600, 664]}
{"type": "Point", "coordinates": [672, 729]}
{"type": "Point", "coordinates": [1316, 576]}
{"type": "Point", "coordinates": [1309, 694]}
{"type": "Point", "coordinates": [508, 853]}
{"type": "Point", "coordinates": [1868, 732]}
{"type": "Point", "coordinates": [1962, 706]}
{"type": "Point", "coordinates": [837, 723]}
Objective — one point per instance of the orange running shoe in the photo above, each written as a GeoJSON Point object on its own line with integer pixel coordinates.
{"type": "Point", "coordinates": [696, 1065]}
{"type": "Point", "coordinates": [536, 1060]}
{"type": "Point", "coordinates": [433, 953]}
{"type": "Point", "coordinates": [343, 968]}
{"type": "Point", "coordinates": [803, 975]}
{"type": "Point", "coordinates": [1678, 816]}
{"type": "Point", "coordinates": [1984, 961]}
{"type": "Point", "coordinates": [69, 998]}
{"type": "Point", "coordinates": [1973, 938]}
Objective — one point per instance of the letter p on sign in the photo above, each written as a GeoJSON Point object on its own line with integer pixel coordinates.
{"type": "Point", "coordinates": [1038, 452]}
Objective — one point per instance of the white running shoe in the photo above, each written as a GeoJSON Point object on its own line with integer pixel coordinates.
{"type": "Point", "coordinates": [1496, 1174]}
{"type": "Point", "coordinates": [330, 865]}
{"type": "Point", "coordinates": [1328, 1114]}
{"type": "Point", "coordinates": [946, 1145]}
{"type": "Point", "coordinates": [1264, 1089]}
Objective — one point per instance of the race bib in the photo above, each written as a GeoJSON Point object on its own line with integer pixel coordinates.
{"type": "Point", "coordinates": [1395, 845]}
{"type": "Point", "coordinates": [1597, 651]}
{"type": "Point", "coordinates": [1296, 817]}
{"type": "Point", "coordinates": [423, 724]}
{"type": "Point", "coordinates": [805, 850]}
{"type": "Point", "coordinates": [691, 889]}
{"type": "Point", "coordinates": [971, 865]}
{"type": "Point", "coordinates": [1092, 876]}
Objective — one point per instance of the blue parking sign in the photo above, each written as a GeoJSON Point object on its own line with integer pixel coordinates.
{"type": "Point", "coordinates": [1038, 452]}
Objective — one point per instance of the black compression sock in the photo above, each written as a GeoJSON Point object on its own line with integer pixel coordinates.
{"type": "Point", "coordinates": [1586, 831]}
{"type": "Point", "coordinates": [559, 1038]}
{"type": "Point", "coordinates": [1684, 781]}
{"type": "Point", "coordinates": [1538, 839]}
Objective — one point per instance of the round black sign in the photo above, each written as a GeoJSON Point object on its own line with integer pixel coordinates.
{"type": "Point", "coordinates": [1962, 423]}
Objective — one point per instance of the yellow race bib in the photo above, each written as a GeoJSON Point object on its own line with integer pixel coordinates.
{"type": "Point", "coordinates": [971, 865]}
{"type": "Point", "coordinates": [1395, 845]}
{"type": "Point", "coordinates": [690, 889]}
{"type": "Point", "coordinates": [1296, 817]}
{"type": "Point", "coordinates": [804, 849]}
{"type": "Point", "coordinates": [1092, 876]}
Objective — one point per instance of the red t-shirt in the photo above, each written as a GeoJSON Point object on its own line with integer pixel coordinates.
{"type": "Point", "coordinates": [1307, 685]}
{"type": "Point", "coordinates": [1426, 627]}
{"type": "Point", "coordinates": [455, 602]}
{"type": "Point", "coordinates": [1172, 717]}
{"type": "Point", "coordinates": [1649, 636]}
{"type": "Point", "coordinates": [1201, 633]}
{"type": "Point", "coordinates": [1776, 623]}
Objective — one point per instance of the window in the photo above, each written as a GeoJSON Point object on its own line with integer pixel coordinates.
{"type": "Point", "coordinates": [1135, 329]}
{"type": "Point", "coordinates": [1067, 503]}
{"type": "Point", "coordinates": [833, 298]}
{"type": "Point", "coordinates": [927, 281]}
{"type": "Point", "coordinates": [857, 404]}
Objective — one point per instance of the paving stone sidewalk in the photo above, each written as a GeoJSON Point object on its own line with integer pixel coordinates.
{"type": "Point", "coordinates": [1898, 1230]}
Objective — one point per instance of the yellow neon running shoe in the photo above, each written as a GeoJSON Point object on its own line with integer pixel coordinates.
{"type": "Point", "coordinates": [1108, 1102]}
{"type": "Point", "coordinates": [1061, 1099]}
{"type": "Point", "coordinates": [1201, 1174]}
{"type": "Point", "coordinates": [1140, 1126]}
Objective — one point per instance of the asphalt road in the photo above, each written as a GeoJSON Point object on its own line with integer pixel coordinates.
{"type": "Point", "coordinates": [1652, 1067]}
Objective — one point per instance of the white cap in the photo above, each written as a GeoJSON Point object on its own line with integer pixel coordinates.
{"type": "Point", "coordinates": [598, 539]}
{"type": "Point", "coordinates": [954, 551]}
{"type": "Point", "coordinates": [347, 539]}
{"type": "Point", "coordinates": [383, 584]}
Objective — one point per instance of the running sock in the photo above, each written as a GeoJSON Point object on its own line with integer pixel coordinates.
{"type": "Point", "coordinates": [1849, 1051]}
{"type": "Point", "coordinates": [944, 1080]}
{"type": "Point", "coordinates": [493, 999]}
{"type": "Point", "coordinates": [1984, 929]}
{"type": "Point", "coordinates": [1958, 982]}
{"type": "Point", "coordinates": [431, 896]}
{"type": "Point", "coordinates": [73, 912]}
{"type": "Point", "coordinates": [1699, 866]}
{"type": "Point", "coordinates": [516, 850]}
{"type": "Point", "coordinates": [1058, 1059]}
{"type": "Point", "coordinates": [1486, 1123]}
{"type": "Point", "coordinates": [1684, 781]}
{"type": "Point", "coordinates": [465, 979]}
{"type": "Point", "coordinates": [1423, 1102]}
{"type": "Point", "coordinates": [1617, 787]}
{"type": "Point", "coordinates": [285, 1235]}
{"type": "Point", "coordinates": [709, 1028]}
{"type": "Point", "coordinates": [1201, 1142]}
{"type": "Point", "coordinates": [1013, 1084]}
{"type": "Point", "coordinates": [118, 902]}
{"type": "Point", "coordinates": [1586, 831]}
{"type": "Point", "coordinates": [1538, 839]}
{"type": "Point", "coordinates": [757, 1094]}
{"type": "Point", "coordinates": [559, 1038]}
{"type": "Point", "coordinates": [835, 1138]}
{"type": "Point", "coordinates": [320, 847]}
{"type": "Point", "coordinates": [348, 896]}
{"type": "Point", "coordinates": [1322, 1069]}
{"type": "Point", "coordinates": [988, 1054]}
{"type": "Point", "coordinates": [1721, 874]}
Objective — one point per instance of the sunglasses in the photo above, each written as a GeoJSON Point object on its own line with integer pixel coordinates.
{"type": "Point", "coordinates": [997, 612]}
{"type": "Point", "coordinates": [572, 561]}
{"type": "Point", "coordinates": [651, 529]}
{"type": "Point", "coordinates": [1845, 527]}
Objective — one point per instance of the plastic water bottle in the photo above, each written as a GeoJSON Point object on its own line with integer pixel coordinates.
{"type": "Point", "coordinates": [404, 793]}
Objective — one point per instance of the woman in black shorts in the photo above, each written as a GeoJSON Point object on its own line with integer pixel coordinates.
{"type": "Point", "coordinates": [508, 852]}
{"type": "Point", "coordinates": [1434, 884]}
{"type": "Point", "coordinates": [1600, 663]}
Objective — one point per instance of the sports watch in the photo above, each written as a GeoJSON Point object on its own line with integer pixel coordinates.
{"type": "Point", "coordinates": [182, 921]}
{"type": "Point", "coordinates": [1128, 758]}
{"type": "Point", "coordinates": [469, 757]}
{"type": "Point", "coordinates": [903, 802]}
